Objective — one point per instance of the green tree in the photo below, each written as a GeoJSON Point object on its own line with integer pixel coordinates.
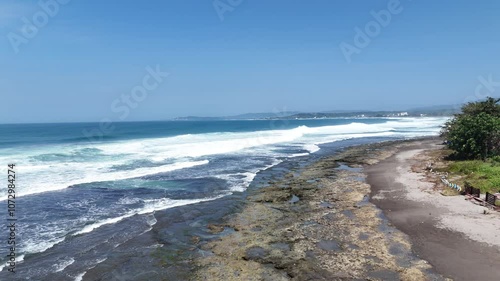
{"type": "Point", "coordinates": [489, 106]}
{"type": "Point", "coordinates": [475, 133]}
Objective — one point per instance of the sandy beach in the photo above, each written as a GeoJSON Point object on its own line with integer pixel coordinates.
{"type": "Point", "coordinates": [361, 214]}
{"type": "Point", "coordinates": [452, 234]}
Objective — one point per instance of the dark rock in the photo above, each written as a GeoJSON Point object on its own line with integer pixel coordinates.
{"type": "Point", "coordinates": [255, 254]}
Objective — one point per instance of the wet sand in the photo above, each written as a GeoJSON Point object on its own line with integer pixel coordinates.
{"type": "Point", "coordinates": [453, 235]}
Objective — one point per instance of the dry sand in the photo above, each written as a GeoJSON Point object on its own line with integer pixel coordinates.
{"type": "Point", "coordinates": [453, 234]}
{"type": "Point", "coordinates": [458, 214]}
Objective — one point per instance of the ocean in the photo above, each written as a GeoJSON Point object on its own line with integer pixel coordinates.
{"type": "Point", "coordinates": [75, 190]}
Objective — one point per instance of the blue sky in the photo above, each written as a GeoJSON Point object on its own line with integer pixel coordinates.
{"type": "Point", "coordinates": [260, 56]}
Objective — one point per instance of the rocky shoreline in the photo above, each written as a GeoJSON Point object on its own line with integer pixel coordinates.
{"type": "Point", "coordinates": [314, 224]}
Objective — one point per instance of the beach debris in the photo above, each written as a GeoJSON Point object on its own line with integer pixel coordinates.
{"type": "Point", "coordinates": [452, 185]}
{"type": "Point", "coordinates": [428, 167]}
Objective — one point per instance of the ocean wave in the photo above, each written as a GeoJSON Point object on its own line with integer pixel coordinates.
{"type": "Point", "coordinates": [46, 181]}
{"type": "Point", "coordinates": [47, 239]}
{"type": "Point", "coordinates": [352, 128]}
{"type": "Point", "coordinates": [34, 245]}
{"type": "Point", "coordinates": [63, 264]}
{"type": "Point", "coordinates": [75, 155]}
{"type": "Point", "coordinates": [214, 143]}
{"type": "Point", "coordinates": [299, 155]}
{"type": "Point", "coordinates": [239, 182]}
{"type": "Point", "coordinates": [312, 148]}
{"type": "Point", "coordinates": [55, 167]}
{"type": "Point", "coordinates": [19, 259]}
{"type": "Point", "coordinates": [151, 205]}
{"type": "Point", "coordinates": [79, 277]}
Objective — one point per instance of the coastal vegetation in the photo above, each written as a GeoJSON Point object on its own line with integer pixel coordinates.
{"type": "Point", "coordinates": [475, 132]}
{"type": "Point", "coordinates": [473, 136]}
{"type": "Point", "coordinates": [484, 175]}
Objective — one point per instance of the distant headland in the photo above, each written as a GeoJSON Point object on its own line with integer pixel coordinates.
{"type": "Point", "coordinates": [432, 111]}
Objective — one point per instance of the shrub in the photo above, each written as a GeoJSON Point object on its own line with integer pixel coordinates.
{"type": "Point", "coordinates": [475, 133]}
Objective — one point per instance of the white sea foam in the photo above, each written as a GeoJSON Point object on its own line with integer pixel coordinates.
{"type": "Point", "coordinates": [352, 128]}
{"type": "Point", "coordinates": [298, 155]}
{"type": "Point", "coordinates": [128, 200]}
{"type": "Point", "coordinates": [75, 173]}
{"type": "Point", "coordinates": [240, 181]}
{"type": "Point", "coordinates": [41, 170]}
{"type": "Point", "coordinates": [311, 148]}
{"type": "Point", "coordinates": [93, 226]}
{"type": "Point", "coordinates": [45, 238]}
{"type": "Point", "coordinates": [63, 264]}
{"type": "Point", "coordinates": [34, 245]}
{"type": "Point", "coordinates": [151, 220]}
{"type": "Point", "coordinates": [19, 259]}
{"type": "Point", "coordinates": [215, 143]}
{"type": "Point", "coordinates": [79, 277]}
{"type": "Point", "coordinates": [151, 206]}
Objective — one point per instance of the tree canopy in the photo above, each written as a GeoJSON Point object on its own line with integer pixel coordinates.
{"type": "Point", "coordinates": [475, 133]}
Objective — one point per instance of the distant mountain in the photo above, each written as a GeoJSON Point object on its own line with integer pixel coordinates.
{"type": "Point", "coordinates": [417, 112]}
{"type": "Point", "coordinates": [246, 116]}
{"type": "Point", "coordinates": [197, 118]}
{"type": "Point", "coordinates": [262, 115]}
{"type": "Point", "coordinates": [436, 107]}
{"type": "Point", "coordinates": [439, 110]}
{"type": "Point", "coordinates": [346, 114]}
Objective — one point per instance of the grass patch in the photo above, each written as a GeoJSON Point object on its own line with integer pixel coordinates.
{"type": "Point", "coordinates": [484, 175]}
{"type": "Point", "coordinates": [449, 192]}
